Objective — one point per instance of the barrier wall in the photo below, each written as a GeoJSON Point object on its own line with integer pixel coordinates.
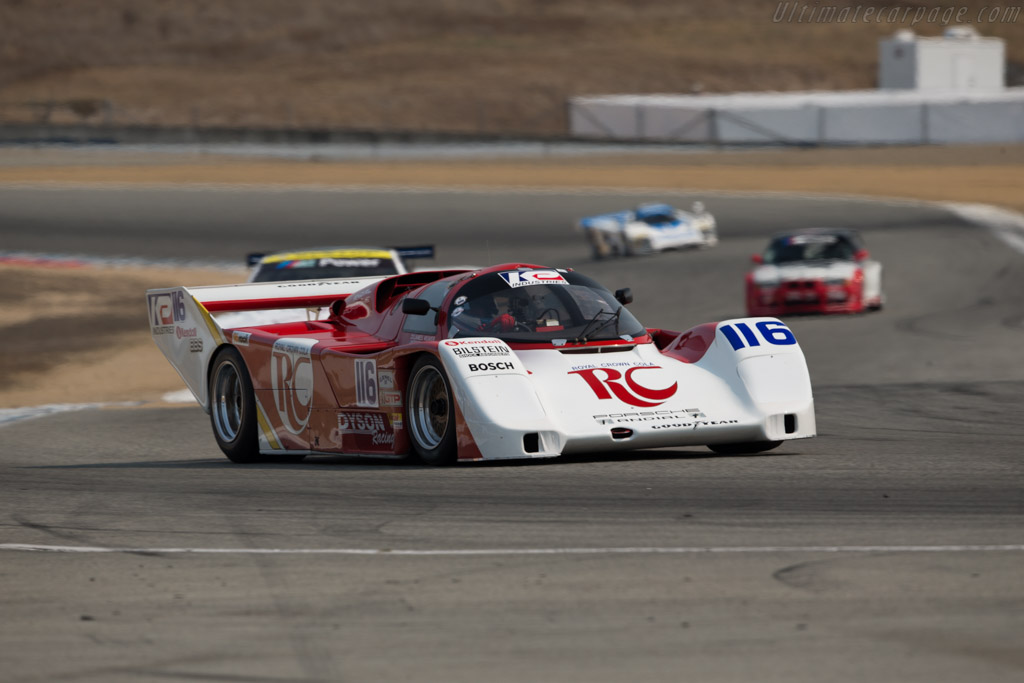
{"type": "Point", "coordinates": [807, 118]}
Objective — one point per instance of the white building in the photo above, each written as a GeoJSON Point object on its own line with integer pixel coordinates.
{"type": "Point", "coordinates": [959, 60]}
{"type": "Point", "coordinates": [943, 90]}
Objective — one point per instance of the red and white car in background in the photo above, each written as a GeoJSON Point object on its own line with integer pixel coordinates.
{"type": "Point", "coordinates": [819, 270]}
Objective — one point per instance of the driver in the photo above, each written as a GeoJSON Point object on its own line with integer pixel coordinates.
{"type": "Point", "coordinates": [485, 310]}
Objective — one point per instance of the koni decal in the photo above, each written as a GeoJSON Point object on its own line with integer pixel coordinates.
{"type": "Point", "coordinates": [291, 378]}
{"type": "Point", "coordinates": [606, 382]}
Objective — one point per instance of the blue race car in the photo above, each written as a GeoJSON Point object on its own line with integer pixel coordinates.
{"type": "Point", "coordinates": [649, 228]}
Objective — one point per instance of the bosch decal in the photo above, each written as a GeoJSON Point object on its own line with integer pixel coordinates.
{"type": "Point", "coordinates": [485, 367]}
{"type": "Point", "coordinates": [520, 278]}
{"type": "Point", "coordinates": [291, 379]}
{"type": "Point", "coordinates": [240, 338]}
{"type": "Point", "coordinates": [605, 382]}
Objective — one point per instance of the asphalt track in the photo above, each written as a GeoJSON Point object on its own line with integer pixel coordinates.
{"type": "Point", "coordinates": [889, 548]}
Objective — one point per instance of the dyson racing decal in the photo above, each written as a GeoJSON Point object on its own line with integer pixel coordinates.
{"type": "Point", "coordinates": [291, 378]}
{"type": "Point", "coordinates": [370, 426]}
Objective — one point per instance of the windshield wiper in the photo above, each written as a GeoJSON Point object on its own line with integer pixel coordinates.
{"type": "Point", "coordinates": [601, 324]}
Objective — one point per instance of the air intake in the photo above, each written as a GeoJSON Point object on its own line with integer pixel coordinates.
{"type": "Point", "coordinates": [621, 433]}
{"type": "Point", "coordinates": [531, 442]}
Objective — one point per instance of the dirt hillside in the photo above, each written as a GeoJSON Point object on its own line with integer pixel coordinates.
{"type": "Point", "coordinates": [454, 65]}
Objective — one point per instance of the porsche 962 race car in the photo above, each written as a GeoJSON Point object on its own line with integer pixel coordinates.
{"type": "Point", "coordinates": [511, 361]}
{"type": "Point", "coordinates": [821, 270]}
{"type": "Point", "coordinates": [649, 228]}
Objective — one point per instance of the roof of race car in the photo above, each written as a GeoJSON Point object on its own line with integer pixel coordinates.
{"type": "Point", "coordinates": [350, 252]}
{"type": "Point", "coordinates": [654, 210]}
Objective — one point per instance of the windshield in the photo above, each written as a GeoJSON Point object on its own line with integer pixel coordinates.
{"type": "Point", "coordinates": [808, 248]}
{"type": "Point", "coordinates": [323, 268]}
{"type": "Point", "coordinates": [539, 306]}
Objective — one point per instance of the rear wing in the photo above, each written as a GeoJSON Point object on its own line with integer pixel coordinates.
{"type": "Point", "coordinates": [186, 332]}
{"type": "Point", "coordinates": [407, 253]}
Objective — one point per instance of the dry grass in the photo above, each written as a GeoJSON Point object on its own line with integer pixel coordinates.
{"type": "Point", "coordinates": [450, 65]}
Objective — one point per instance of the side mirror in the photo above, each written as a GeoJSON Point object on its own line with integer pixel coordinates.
{"type": "Point", "coordinates": [624, 296]}
{"type": "Point", "coordinates": [861, 255]}
{"type": "Point", "coordinates": [415, 306]}
{"type": "Point", "coordinates": [337, 307]}
{"type": "Point", "coordinates": [757, 258]}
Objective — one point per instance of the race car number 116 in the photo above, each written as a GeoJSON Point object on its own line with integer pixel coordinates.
{"type": "Point", "coordinates": [771, 331]}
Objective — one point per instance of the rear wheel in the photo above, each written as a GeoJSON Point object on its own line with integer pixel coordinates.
{"type": "Point", "coordinates": [744, 448]}
{"type": "Point", "coordinates": [431, 413]}
{"type": "Point", "coordinates": [233, 408]}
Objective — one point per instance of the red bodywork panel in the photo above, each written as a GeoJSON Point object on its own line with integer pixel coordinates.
{"type": "Point", "coordinates": [358, 362]}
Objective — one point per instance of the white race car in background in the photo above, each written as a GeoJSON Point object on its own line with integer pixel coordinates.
{"type": "Point", "coordinates": [649, 228]}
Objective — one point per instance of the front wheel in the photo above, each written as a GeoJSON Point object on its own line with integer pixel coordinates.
{"type": "Point", "coordinates": [744, 448]}
{"type": "Point", "coordinates": [233, 408]}
{"type": "Point", "coordinates": [431, 413]}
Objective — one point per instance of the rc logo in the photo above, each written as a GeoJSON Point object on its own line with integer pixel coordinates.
{"type": "Point", "coordinates": [165, 309]}
{"type": "Point", "coordinates": [291, 378]}
{"type": "Point", "coordinates": [519, 278]}
{"type": "Point", "coordinates": [605, 382]}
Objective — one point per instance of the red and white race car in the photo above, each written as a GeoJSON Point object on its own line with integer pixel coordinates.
{"type": "Point", "coordinates": [512, 361]}
{"type": "Point", "coordinates": [820, 270]}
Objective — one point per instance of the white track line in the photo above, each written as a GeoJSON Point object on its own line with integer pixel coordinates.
{"type": "Point", "coordinates": [12, 415]}
{"type": "Point", "coordinates": [1007, 225]}
{"type": "Point", "coordinates": [25, 547]}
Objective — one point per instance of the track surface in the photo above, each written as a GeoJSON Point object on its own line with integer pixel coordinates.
{"type": "Point", "coordinates": [852, 556]}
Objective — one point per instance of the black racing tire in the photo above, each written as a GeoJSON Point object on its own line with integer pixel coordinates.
{"type": "Point", "coordinates": [430, 413]}
{"type": "Point", "coordinates": [744, 448]}
{"type": "Point", "coordinates": [233, 408]}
